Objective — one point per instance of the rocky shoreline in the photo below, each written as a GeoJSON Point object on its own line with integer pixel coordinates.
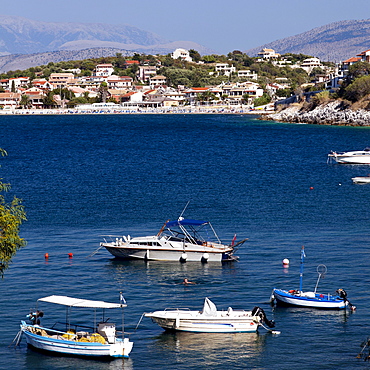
{"type": "Point", "coordinates": [328, 114]}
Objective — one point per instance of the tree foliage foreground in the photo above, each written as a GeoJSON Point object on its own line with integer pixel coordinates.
{"type": "Point", "coordinates": [11, 217]}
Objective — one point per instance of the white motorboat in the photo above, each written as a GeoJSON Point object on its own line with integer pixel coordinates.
{"type": "Point", "coordinates": [352, 157]}
{"type": "Point", "coordinates": [210, 320]}
{"type": "Point", "coordinates": [100, 341]}
{"type": "Point", "coordinates": [182, 240]}
{"type": "Point", "coordinates": [361, 179]}
{"type": "Point", "coordinates": [312, 299]}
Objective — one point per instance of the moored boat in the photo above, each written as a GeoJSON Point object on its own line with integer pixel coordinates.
{"type": "Point", "coordinates": [351, 157]}
{"type": "Point", "coordinates": [361, 179]}
{"type": "Point", "coordinates": [184, 240]}
{"type": "Point", "coordinates": [211, 320]}
{"type": "Point", "coordinates": [311, 299]}
{"type": "Point", "coordinates": [100, 341]}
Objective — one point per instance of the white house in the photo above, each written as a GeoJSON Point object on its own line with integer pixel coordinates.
{"type": "Point", "coordinates": [268, 54]}
{"type": "Point", "coordinates": [157, 80]}
{"type": "Point", "coordinates": [60, 80]}
{"type": "Point", "coordinates": [309, 64]}
{"type": "Point", "coordinates": [224, 69]}
{"type": "Point", "coordinates": [119, 82]}
{"type": "Point", "coordinates": [247, 74]}
{"type": "Point", "coordinates": [104, 70]}
{"type": "Point", "coordinates": [146, 72]}
{"type": "Point", "coordinates": [18, 82]}
{"type": "Point", "coordinates": [183, 54]}
{"type": "Point", "coordinates": [365, 56]}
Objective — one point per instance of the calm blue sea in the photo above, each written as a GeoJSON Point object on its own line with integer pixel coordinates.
{"type": "Point", "coordinates": [81, 177]}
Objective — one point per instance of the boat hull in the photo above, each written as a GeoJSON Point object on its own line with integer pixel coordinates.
{"type": "Point", "coordinates": [166, 254]}
{"type": "Point", "coordinates": [312, 300]}
{"type": "Point", "coordinates": [74, 348]}
{"type": "Point", "coordinates": [361, 180]}
{"type": "Point", "coordinates": [198, 324]}
{"type": "Point", "coordinates": [355, 157]}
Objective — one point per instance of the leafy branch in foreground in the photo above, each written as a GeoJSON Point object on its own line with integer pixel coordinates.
{"type": "Point", "coordinates": [11, 217]}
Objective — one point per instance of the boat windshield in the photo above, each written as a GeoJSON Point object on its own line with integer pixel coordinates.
{"type": "Point", "coordinates": [194, 231]}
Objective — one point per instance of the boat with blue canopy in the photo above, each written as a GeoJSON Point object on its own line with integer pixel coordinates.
{"type": "Point", "coordinates": [184, 240]}
{"type": "Point", "coordinates": [311, 299]}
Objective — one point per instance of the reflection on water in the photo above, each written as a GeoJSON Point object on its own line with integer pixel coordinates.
{"type": "Point", "coordinates": [40, 360]}
{"type": "Point", "coordinates": [318, 315]}
{"type": "Point", "coordinates": [211, 347]}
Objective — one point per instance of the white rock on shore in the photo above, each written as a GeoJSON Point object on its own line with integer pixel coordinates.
{"type": "Point", "coordinates": [328, 114]}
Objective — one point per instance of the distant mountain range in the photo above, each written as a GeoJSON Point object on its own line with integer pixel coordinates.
{"type": "Point", "coordinates": [25, 43]}
{"type": "Point", "coordinates": [334, 42]}
{"type": "Point", "coordinates": [52, 42]}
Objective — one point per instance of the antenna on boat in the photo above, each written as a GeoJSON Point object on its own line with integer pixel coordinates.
{"type": "Point", "coordinates": [184, 209]}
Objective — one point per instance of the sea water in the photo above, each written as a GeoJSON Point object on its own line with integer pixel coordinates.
{"type": "Point", "coordinates": [82, 177]}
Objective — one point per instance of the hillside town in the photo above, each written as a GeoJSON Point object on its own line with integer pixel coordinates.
{"type": "Point", "coordinates": [242, 89]}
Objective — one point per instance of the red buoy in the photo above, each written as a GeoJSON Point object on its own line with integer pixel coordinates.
{"type": "Point", "coordinates": [311, 188]}
{"type": "Point", "coordinates": [46, 255]}
{"type": "Point", "coordinates": [70, 255]}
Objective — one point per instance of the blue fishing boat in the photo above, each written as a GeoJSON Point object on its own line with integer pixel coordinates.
{"type": "Point", "coordinates": [337, 301]}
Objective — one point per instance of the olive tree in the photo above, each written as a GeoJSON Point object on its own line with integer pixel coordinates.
{"type": "Point", "coordinates": [11, 217]}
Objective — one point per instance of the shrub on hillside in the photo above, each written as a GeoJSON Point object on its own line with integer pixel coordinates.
{"type": "Point", "coordinates": [358, 89]}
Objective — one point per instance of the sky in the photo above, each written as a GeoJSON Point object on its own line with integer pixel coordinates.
{"type": "Point", "coordinates": [222, 26]}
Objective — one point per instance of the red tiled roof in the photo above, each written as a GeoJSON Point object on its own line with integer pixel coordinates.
{"type": "Point", "coordinates": [129, 94]}
{"type": "Point", "coordinates": [363, 53]}
{"type": "Point", "coordinates": [352, 60]}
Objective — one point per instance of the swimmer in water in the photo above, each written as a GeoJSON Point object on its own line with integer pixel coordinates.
{"type": "Point", "coordinates": [187, 282]}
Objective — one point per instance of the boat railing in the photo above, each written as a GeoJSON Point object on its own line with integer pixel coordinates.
{"type": "Point", "coordinates": [177, 309]}
{"type": "Point", "coordinates": [71, 326]}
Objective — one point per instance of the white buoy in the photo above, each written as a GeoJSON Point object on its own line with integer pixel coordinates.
{"type": "Point", "coordinates": [205, 257]}
{"type": "Point", "coordinates": [183, 257]}
{"type": "Point", "coordinates": [285, 262]}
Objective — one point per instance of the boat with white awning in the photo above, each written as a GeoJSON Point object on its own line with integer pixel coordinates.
{"type": "Point", "coordinates": [99, 340]}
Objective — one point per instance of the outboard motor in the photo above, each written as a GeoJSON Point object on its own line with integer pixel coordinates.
{"type": "Point", "coordinates": [258, 311]}
{"type": "Point", "coordinates": [34, 317]}
{"type": "Point", "coordinates": [343, 294]}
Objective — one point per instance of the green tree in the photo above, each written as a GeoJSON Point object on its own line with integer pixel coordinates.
{"type": "Point", "coordinates": [11, 217]}
{"type": "Point", "coordinates": [359, 69]}
{"type": "Point", "coordinates": [263, 100]}
{"type": "Point", "coordinates": [25, 101]}
{"type": "Point", "coordinates": [358, 89]}
{"type": "Point", "coordinates": [103, 92]}
{"type": "Point", "coordinates": [195, 55]}
{"type": "Point", "coordinates": [48, 100]}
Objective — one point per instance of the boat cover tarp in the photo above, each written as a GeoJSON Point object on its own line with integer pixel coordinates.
{"type": "Point", "coordinates": [186, 222]}
{"type": "Point", "coordinates": [209, 308]}
{"type": "Point", "coordinates": [76, 302]}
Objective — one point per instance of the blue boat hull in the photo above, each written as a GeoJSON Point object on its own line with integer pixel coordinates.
{"type": "Point", "coordinates": [308, 299]}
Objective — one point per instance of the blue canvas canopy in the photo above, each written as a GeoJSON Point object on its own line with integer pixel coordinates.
{"type": "Point", "coordinates": [186, 222]}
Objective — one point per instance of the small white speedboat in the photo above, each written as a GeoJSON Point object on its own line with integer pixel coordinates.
{"type": "Point", "coordinates": [210, 320]}
{"type": "Point", "coordinates": [361, 179]}
{"type": "Point", "coordinates": [98, 341]}
{"type": "Point", "coordinates": [352, 157]}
